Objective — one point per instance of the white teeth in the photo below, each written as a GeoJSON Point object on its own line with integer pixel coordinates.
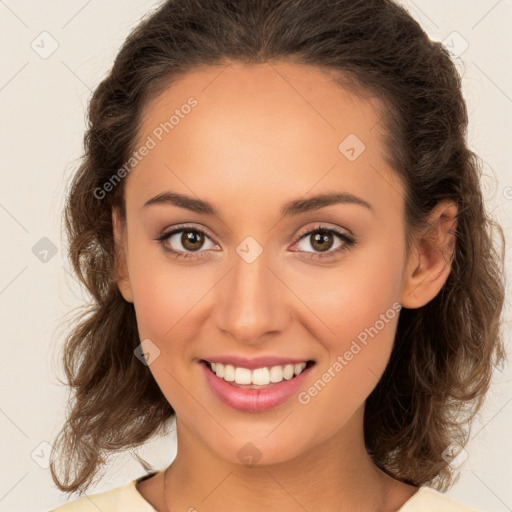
{"type": "Point", "coordinates": [276, 374]}
{"type": "Point", "coordinates": [259, 376]}
{"type": "Point", "coordinates": [229, 372]}
{"type": "Point", "coordinates": [242, 376]}
{"type": "Point", "coordinates": [288, 371]}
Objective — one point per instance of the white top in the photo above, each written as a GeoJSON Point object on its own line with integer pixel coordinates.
{"type": "Point", "coordinates": [128, 499]}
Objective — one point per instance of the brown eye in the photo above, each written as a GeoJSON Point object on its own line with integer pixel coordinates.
{"type": "Point", "coordinates": [183, 242]}
{"type": "Point", "coordinates": [192, 240]}
{"type": "Point", "coordinates": [322, 240]}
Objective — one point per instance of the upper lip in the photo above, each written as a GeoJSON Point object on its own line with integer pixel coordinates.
{"type": "Point", "coordinates": [255, 362]}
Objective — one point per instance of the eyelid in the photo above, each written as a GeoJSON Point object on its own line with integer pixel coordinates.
{"type": "Point", "coordinates": [300, 234]}
{"type": "Point", "coordinates": [184, 227]}
{"type": "Point", "coordinates": [325, 226]}
{"type": "Point", "coordinates": [348, 240]}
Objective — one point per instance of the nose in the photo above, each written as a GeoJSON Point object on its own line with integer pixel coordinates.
{"type": "Point", "coordinates": [252, 301]}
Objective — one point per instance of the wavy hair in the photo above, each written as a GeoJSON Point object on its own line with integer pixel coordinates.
{"type": "Point", "coordinates": [444, 352]}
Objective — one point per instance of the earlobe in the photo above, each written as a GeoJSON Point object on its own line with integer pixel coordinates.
{"type": "Point", "coordinates": [429, 265]}
{"type": "Point", "coordinates": [121, 265]}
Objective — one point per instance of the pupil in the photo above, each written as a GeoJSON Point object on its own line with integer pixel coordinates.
{"type": "Point", "coordinates": [321, 237]}
{"type": "Point", "coordinates": [322, 240]}
{"type": "Point", "coordinates": [192, 237]}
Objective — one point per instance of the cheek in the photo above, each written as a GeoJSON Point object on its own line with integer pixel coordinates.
{"type": "Point", "coordinates": [359, 309]}
{"type": "Point", "coordinates": [166, 294]}
{"type": "Point", "coordinates": [351, 299]}
{"type": "Point", "coordinates": [356, 358]}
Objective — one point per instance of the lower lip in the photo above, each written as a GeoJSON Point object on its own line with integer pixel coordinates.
{"type": "Point", "coordinates": [253, 400]}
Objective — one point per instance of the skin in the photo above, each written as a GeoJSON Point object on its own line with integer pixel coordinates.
{"type": "Point", "coordinates": [262, 135]}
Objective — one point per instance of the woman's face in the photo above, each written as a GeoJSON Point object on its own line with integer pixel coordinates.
{"type": "Point", "coordinates": [256, 279]}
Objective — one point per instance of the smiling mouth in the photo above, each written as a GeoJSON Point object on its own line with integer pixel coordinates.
{"type": "Point", "coordinates": [259, 378]}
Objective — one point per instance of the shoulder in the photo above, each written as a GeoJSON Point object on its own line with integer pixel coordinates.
{"type": "Point", "coordinates": [125, 498]}
{"type": "Point", "coordinates": [428, 499]}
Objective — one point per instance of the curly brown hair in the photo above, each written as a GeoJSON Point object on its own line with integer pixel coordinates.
{"type": "Point", "coordinates": [444, 352]}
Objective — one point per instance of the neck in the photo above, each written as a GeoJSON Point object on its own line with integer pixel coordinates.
{"type": "Point", "coordinates": [336, 475]}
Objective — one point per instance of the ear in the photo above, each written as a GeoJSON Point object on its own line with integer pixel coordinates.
{"type": "Point", "coordinates": [430, 260]}
{"type": "Point", "coordinates": [121, 265]}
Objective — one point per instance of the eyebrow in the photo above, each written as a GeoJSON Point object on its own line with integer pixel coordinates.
{"type": "Point", "coordinates": [294, 207]}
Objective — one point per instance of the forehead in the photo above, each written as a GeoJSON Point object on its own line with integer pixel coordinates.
{"type": "Point", "coordinates": [263, 128]}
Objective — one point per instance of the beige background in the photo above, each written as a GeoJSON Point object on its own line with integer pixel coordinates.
{"type": "Point", "coordinates": [43, 103]}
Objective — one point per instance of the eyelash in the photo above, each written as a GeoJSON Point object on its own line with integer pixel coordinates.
{"type": "Point", "coordinates": [348, 242]}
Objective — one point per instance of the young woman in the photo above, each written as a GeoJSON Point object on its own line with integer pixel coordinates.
{"type": "Point", "coordinates": [281, 225]}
